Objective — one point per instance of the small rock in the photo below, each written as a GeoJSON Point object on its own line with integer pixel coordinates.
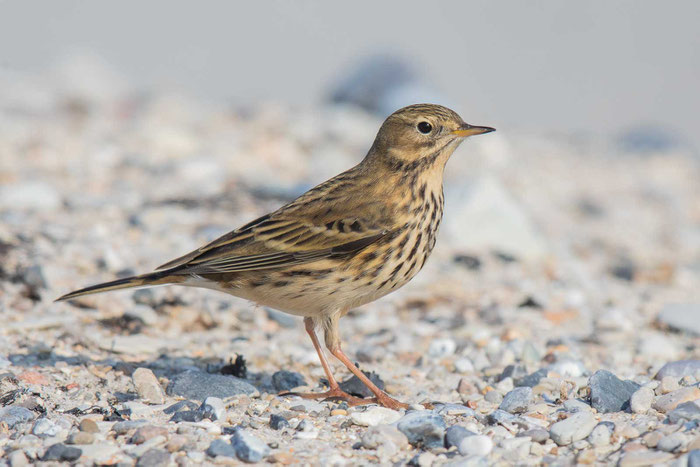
{"type": "Point", "coordinates": [464, 365]}
{"type": "Point", "coordinates": [423, 428]}
{"type": "Point", "coordinates": [494, 397]}
{"type": "Point", "coordinates": [14, 415]}
{"type": "Point", "coordinates": [88, 426]}
{"type": "Point", "coordinates": [199, 385]}
{"type": "Point", "coordinates": [516, 372]}
{"type": "Point", "coordinates": [668, 384]}
{"type": "Point", "coordinates": [17, 458]}
{"type": "Point", "coordinates": [670, 401]}
{"type": "Point", "coordinates": [682, 317]}
{"type": "Point", "coordinates": [213, 408]}
{"type": "Point", "coordinates": [576, 405]}
{"type": "Point", "coordinates": [375, 416]}
{"type": "Point", "coordinates": [477, 445]}
{"type": "Point", "coordinates": [538, 435]}
{"type": "Point", "coordinates": [517, 400]}
{"type": "Point", "coordinates": [81, 437]}
{"type": "Point", "coordinates": [277, 422]}
{"type": "Point", "coordinates": [694, 458]}
{"type": "Point", "coordinates": [384, 438]}
{"type": "Point", "coordinates": [499, 416]}
{"type": "Point", "coordinates": [442, 347]}
{"type": "Point", "coordinates": [576, 427]}
{"type": "Point", "coordinates": [124, 427]}
{"type": "Point", "coordinates": [424, 459]}
{"type": "Point", "coordinates": [339, 412]}
{"type": "Point", "coordinates": [609, 393]}
{"type": "Point", "coordinates": [671, 442]}
{"type": "Point", "coordinates": [45, 428]}
{"type": "Point", "coordinates": [685, 411]}
{"type": "Point", "coordinates": [147, 386]}
{"type": "Point", "coordinates": [455, 434]}
{"type": "Point", "coordinates": [284, 380]}
{"type": "Point", "coordinates": [644, 457]}
{"type": "Point", "coordinates": [532, 379]}
{"type": "Point", "coordinates": [154, 458]}
{"type": "Point", "coordinates": [147, 432]}
{"type": "Point", "coordinates": [219, 447]}
{"type": "Point", "coordinates": [179, 406]}
{"type": "Point", "coordinates": [568, 368]}
{"type": "Point", "coordinates": [641, 400]}
{"type": "Point", "coordinates": [679, 369]}
{"type": "Point", "coordinates": [600, 436]}
{"type": "Point", "coordinates": [188, 416]}
{"type": "Point", "coordinates": [249, 448]}
{"type": "Point", "coordinates": [357, 388]}
{"type": "Point", "coordinates": [61, 452]}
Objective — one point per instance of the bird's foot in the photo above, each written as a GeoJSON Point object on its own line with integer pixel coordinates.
{"type": "Point", "coordinates": [387, 401]}
{"type": "Point", "coordinates": [334, 394]}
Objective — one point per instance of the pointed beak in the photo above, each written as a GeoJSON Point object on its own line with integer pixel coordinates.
{"type": "Point", "coordinates": [471, 130]}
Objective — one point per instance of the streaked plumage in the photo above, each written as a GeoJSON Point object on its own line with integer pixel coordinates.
{"type": "Point", "coordinates": [344, 243]}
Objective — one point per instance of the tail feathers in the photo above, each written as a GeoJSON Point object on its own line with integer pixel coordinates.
{"type": "Point", "coordinates": [144, 280]}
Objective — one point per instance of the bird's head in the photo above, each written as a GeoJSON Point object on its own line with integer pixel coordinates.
{"type": "Point", "coordinates": [422, 132]}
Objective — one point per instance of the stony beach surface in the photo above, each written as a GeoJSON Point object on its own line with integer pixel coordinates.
{"type": "Point", "coordinates": [557, 321]}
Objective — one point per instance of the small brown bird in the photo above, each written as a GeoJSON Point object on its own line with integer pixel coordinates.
{"type": "Point", "coordinates": [342, 244]}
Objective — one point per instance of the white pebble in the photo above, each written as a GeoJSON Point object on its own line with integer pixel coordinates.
{"type": "Point", "coordinates": [477, 445]}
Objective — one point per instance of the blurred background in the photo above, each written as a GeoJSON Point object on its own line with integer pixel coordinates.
{"type": "Point", "coordinates": [613, 68]}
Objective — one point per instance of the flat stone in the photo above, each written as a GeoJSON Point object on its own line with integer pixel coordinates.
{"type": "Point", "coordinates": [284, 380]}
{"type": "Point", "coordinates": [375, 416]}
{"type": "Point", "coordinates": [199, 385]}
{"type": "Point", "coordinates": [180, 406]}
{"type": "Point", "coordinates": [609, 393]}
{"type": "Point", "coordinates": [685, 411]}
{"type": "Point", "coordinates": [679, 369]}
{"type": "Point", "coordinates": [670, 401]}
{"type": "Point", "coordinates": [248, 447]}
{"type": "Point", "coordinates": [641, 400]}
{"type": "Point", "coordinates": [357, 388]}
{"type": "Point", "coordinates": [88, 426]}
{"type": "Point", "coordinates": [532, 379]}
{"type": "Point", "coordinates": [219, 447]}
{"type": "Point", "coordinates": [45, 428]}
{"type": "Point", "coordinates": [517, 400]}
{"type": "Point", "coordinates": [538, 435]}
{"type": "Point", "coordinates": [576, 427]}
{"type": "Point", "coordinates": [154, 458]}
{"type": "Point", "coordinates": [671, 442]}
{"type": "Point", "coordinates": [14, 415]}
{"type": "Point", "coordinates": [644, 457]}
{"type": "Point", "coordinates": [81, 437]}
{"type": "Point", "coordinates": [601, 435]}
{"type": "Point", "coordinates": [477, 445]}
{"type": "Point", "coordinates": [668, 384]}
{"type": "Point", "coordinates": [682, 317]}
{"type": "Point", "coordinates": [62, 453]}
{"type": "Point", "coordinates": [124, 427]}
{"type": "Point", "coordinates": [455, 434]}
{"type": "Point", "coordinates": [147, 386]}
{"type": "Point", "coordinates": [423, 428]}
{"type": "Point", "coordinates": [147, 432]}
{"type": "Point", "coordinates": [694, 458]}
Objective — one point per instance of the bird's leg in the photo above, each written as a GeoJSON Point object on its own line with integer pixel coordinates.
{"type": "Point", "coordinates": [334, 392]}
{"type": "Point", "coordinates": [332, 338]}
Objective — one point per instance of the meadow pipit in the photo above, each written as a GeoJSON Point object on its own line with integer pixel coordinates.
{"type": "Point", "coordinates": [344, 243]}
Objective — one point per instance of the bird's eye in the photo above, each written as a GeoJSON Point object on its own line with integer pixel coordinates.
{"type": "Point", "coordinates": [425, 127]}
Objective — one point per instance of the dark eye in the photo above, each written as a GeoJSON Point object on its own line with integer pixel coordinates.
{"type": "Point", "coordinates": [425, 127]}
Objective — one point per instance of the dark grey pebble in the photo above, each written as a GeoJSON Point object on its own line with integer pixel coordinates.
{"type": "Point", "coordinates": [517, 372]}
{"type": "Point", "coordinates": [188, 416]}
{"type": "Point", "coordinates": [277, 422]}
{"type": "Point", "coordinates": [532, 379]}
{"type": "Point", "coordinates": [154, 458]}
{"type": "Point", "coordinates": [679, 369]}
{"type": "Point", "coordinates": [199, 385]}
{"type": "Point", "coordinates": [179, 406]}
{"type": "Point", "coordinates": [694, 458]}
{"type": "Point", "coordinates": [517, 400]}
{"type": "Point", "coordinates": [61, 452]}
{"type": "Point", "coordinates": [500, 416]}
{"type": "Point", "coordinates": [357, 388]}
{"type": "Point", "coordinates": [538, 435]}
{"type": "Point", "coordinates": [686, 411]}
{"type": "Point", "coordinates": [121, 428]}
{"type": "Point", "coordinates": [284, 380]}
{"type": "Point", "coordinates": [219, 447]}
{"type": "Point", "coordinates": [248, 447]}
{"type": "Point", "coordinates": [423, 428]}
{"type": "Point", "coordinates": [14, 415]}
{"type": "Point", "coordinates": [455, 434]}
{"type": "Point", "coordinates": [609, 393]}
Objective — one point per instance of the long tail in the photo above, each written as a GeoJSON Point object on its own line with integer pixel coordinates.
{"type": "Point", "coordinates": [144, 280]}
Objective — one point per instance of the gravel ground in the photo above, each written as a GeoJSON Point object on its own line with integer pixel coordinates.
{"type": "Point", "coordinates": [557, 321]}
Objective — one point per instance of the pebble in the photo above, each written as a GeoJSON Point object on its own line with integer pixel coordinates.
{"type": "Point", "coordinates": [679, 369]}
{"type": "Point", "coordinates": [154, 458]}
{"type": "Point", "coordinates": [384, 437]}
{"type": "Point", "coordinates": [668, 384]}
{"type": "Point", "coordinates": [81, 437]}
{"type": "Point", "coordinates": [685, 411]}
{"type": "Point", "coordinates": [423, 428]}
{"type": "Point", "coordinates": [17, 458]}
{"type": "Point", "coordinates": [88, 426]}
{"type": "Point", "coordinates": [644, 457]}
{"type": "Point", "coordinates": [682, 316]}
{"type": "Point", "coordinates": [477, 445]}
{"type": "Point", "coordinates": [455, 434]}
{"type": "Point", "coordinates": [576, 405]}
{"type": "Point", "coordinates": [45, 428]}
{"type": "Point", "coordinates": [375, 416]}
{"type": "Point", "coordinates": [147, 432]}
{"type": "Point", "coordinates": [147, 386]}
{"type": "Point", "coordinates": [609, 393]}
{"type": "Point", "coordinates": [641, 400]}
{"type": "Point", "coordinates": [356, 387]}
{"type": "Point", "coordinates": [277, 422]}
{"type": "Point", "coordinates": [442, 347]}
{"type": "Point", "coordinates": [578, 426]}
{"type": "Point", "coordinates": [694, 458]}
{"type": "Point", "coordinates": [180, 406]}
{"type": "Point", "coordinates": [219, 447]}
{"type": "Point", "coordinates": [517, 400]}
{"type": "Point", "coordinates": [199, 385]}
{"type": "Point", "coordinates": [670, 401]}
{"type": "Point", "coordinates": [62, 453]}
{"type": "Point", "coordinates": [493, 397]}
{"type": "Point", "coordinates": [213, 408]}
{"type": "Point", "coordinates": [671, 442]}
{"type": "Point", "coordinates": [14, 415]}
{"type": "Point", "coordinates": [249, 448]}
{"type": "Point", "coordinates": [284, 380]}
{"type": "Point", "coordinates": [538, 435]}
{"type": "Point", "coordinates": [124, 427]}
{"type": "Point", "coordinates": [464, 365]}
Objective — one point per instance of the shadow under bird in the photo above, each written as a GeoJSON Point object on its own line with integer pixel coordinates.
{"type": "Point", "coordinates": [345, 243]}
